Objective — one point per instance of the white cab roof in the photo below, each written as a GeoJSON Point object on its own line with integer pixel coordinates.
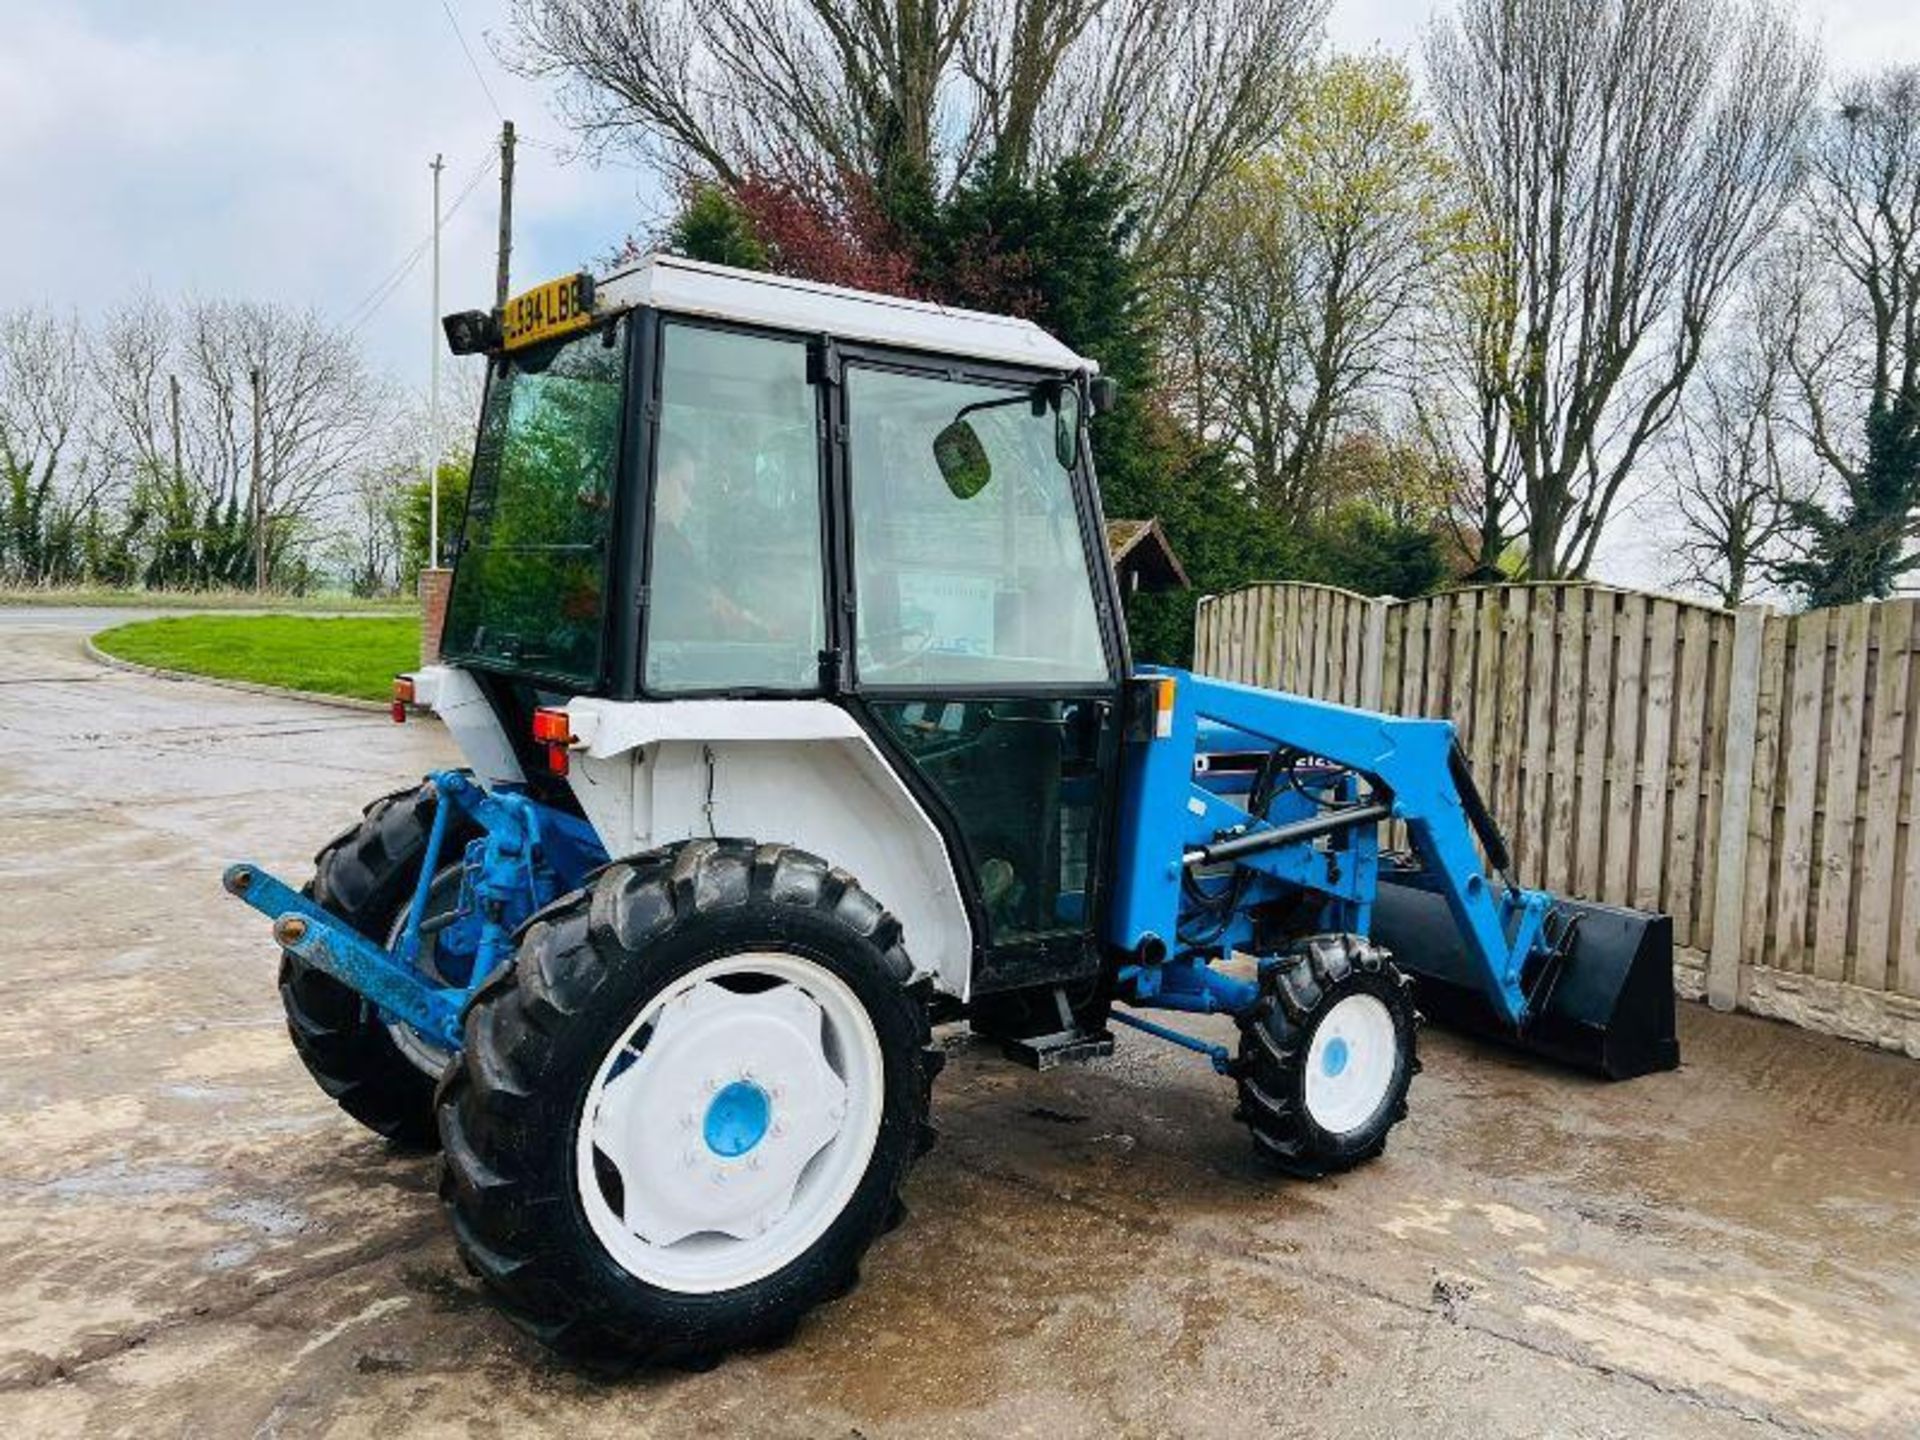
{"type": "Point", "coordinates": [692, 287]}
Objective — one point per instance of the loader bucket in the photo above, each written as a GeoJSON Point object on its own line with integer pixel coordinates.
{"type": "Point", "coordinates": [1610, 1008]}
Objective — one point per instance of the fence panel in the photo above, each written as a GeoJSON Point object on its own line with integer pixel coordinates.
{"type": "Point", "coordinates": [1598, 722]}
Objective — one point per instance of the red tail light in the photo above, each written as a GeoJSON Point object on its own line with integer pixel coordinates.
{"type": "Point", "coordinates": [402, 698]}
{"type": "Point", "coordinates": [553, 729]}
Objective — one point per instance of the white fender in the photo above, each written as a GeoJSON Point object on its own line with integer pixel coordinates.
{"type": "Point", "coordinates": [798, 772]}
{"type": "Point", "coordinates": [454, 695]}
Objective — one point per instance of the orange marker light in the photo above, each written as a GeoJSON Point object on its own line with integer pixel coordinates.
{"type": "Point", "coordinates": [1163, 708]}
{"type": "Point", "coordinates": [402, 698]}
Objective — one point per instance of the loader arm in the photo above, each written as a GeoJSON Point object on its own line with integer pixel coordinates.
{"type": "Point", "coordinates": [1583, 983]}
{"type": "Point", "coordinates": [1176, 822]}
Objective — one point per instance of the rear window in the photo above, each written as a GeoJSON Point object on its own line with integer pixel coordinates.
{"type": "Point", "coordinates": [529, 590]}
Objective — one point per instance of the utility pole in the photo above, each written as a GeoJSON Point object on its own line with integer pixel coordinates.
{"type": "Point", "coordinates": [506, 212]}
{"type": "Point", "coordinates": [173, 416]}
{"type": "Point", "coordinates": [433, 387]}
{"type": "Point", "coordinates": [259, 491]}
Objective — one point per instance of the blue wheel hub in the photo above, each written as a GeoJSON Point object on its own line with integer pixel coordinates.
{"type": "Point", "coordinates": [737, 1119]}
{"type": "Point", "coordinates": [1334, 1058]}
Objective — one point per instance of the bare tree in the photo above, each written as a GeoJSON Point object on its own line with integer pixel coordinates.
{"type": "Point", "coordinates": [911, 96]}
{"type": "Point", "coordinates": [50, 479]}
{"type": "Point", "coordinates": [1179, 95]}
{"type": "Point", "coordinates": [1740, 471]}
{"type": "Point", "coordinates": [1856, 351]}
{"type": "Point", "coordinates": [1301, 281]}
{"type": "Point", "coordinates": [325, 415]}
{"type": "Point", "coordinates": [1623, 159]}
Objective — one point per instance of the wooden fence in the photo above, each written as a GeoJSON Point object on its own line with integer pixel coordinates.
{"type": "Point", "coordinates": [1752, 773]}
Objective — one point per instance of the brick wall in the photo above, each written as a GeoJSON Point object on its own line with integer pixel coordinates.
{"type": "Point", "coordinates": [434, 585]}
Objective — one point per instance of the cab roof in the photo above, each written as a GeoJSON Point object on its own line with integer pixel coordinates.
{"type": "Point", "coordinates": [693, 287]}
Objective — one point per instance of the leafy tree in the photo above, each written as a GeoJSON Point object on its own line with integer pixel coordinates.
{"type": "Point", "coordinates": [714, 227]}
{"type": "Point", "coordinates": [1293, 309]}
{"type": "Point", "coordinates": [415, 511]}
{"type": "Point", "coordinates": [1361, 547]}
{"type": "Point", "coordinates": [1862, 223]}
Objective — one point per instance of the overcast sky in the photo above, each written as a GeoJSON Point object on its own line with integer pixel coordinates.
{"type": "Point", "coordinates": [279, 151]}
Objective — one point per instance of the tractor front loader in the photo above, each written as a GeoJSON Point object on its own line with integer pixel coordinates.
{"type": "Point", "coordinates": [789, 672]}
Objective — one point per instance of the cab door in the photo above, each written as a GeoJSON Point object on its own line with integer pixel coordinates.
{"type": "Point", "coordinates": [982, 646]}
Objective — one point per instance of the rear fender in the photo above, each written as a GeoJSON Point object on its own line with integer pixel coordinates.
{"type": "Point", "coordinates": [456, 697]}
{"type": "Point", "coordinates": [795, 772]}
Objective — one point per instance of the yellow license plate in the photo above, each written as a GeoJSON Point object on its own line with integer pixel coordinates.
{"type": "Point", "coordinates": [558, 307]}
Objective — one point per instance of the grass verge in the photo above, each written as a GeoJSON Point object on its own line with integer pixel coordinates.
{"type": "Point", "coordinates": [91, 597]}
{"type": "Point", "coordinates": [357, 656]}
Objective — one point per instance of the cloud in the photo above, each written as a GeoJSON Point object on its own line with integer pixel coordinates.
{"type": "Point", "coordinates": [275, 152]}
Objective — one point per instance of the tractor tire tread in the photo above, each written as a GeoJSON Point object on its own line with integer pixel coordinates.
{"type": "Point", "coordinates": [512, 1219]}
{"type": "Point", "coordinates": [363, 875]}
{"type": "Point", "coordinates": [1270, 1069]}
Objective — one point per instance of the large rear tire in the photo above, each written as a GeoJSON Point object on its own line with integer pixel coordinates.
{"type": "Point", "coordinates": [687, 1109]}
{"type": "Point", "coordinates": [1327, 1055]}
{"type": "Point", "coordinates": [366, 876]}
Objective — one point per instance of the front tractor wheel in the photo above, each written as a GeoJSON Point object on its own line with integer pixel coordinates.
{"type": "Point", "coordinates": [685, 1112]}
{"type": "Point", "coordinates": [1327, 1056]}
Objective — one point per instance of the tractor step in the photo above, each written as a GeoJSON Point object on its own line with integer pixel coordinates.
{"type": "Point", "coordinates": [1043, 1052]}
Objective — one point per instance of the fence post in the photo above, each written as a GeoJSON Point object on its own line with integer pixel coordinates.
{"type": "Point", "coordinates": [1736, 805]}
{"type": "Point", "coordinates": [1373, 653]}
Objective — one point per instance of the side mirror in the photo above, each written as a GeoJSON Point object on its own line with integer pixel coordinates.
{"type": "Point", "coordinates": [471, 331]}
{"type": "Point", "coordinates": [1104, 391]}
{"type": "Point", "coordinates": [1066, 427]}
{"type": "Point", "coordinates": [962, 460]}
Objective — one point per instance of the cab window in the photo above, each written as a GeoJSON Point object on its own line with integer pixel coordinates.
{"type": "Point", "coordinates": [735, 582]}
{"type": "Point", "coordinates": [529, 592]}
{"type": "Point", "coordinates": [968, 560]}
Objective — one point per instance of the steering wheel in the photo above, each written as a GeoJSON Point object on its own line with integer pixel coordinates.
{"type": "Point", "coordinates": [907, 655]}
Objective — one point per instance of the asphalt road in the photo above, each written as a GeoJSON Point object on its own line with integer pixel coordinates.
{"type": "Point", "coordinates": [194, 1241]}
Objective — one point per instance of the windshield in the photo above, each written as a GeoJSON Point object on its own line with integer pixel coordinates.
{"type": "Point", "coordinates": [529, 593]}
{"type": "Point", "coordinates": [967, 548]}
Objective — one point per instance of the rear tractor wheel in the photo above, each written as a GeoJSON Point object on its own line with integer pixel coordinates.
{"type": "Point", "coordinates": [1327, 1056]}
{"type": "Point", "coordinates": [684, 1113]}
{"type": "Point", "coordinates": [381, 1074]}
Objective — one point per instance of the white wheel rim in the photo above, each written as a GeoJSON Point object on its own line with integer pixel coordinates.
{"type": "Point", "coordinates": [738, 1123]}
{"type": "Point", "coordinates": [1351, 1063]}
{"type": "Point", "coordinates": [420, 1052]}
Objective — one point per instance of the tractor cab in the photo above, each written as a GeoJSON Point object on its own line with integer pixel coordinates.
{"type": "Point", "coordinates": [692, 483]}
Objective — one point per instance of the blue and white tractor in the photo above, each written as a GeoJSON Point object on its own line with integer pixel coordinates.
{"type": "Point", "coordinates": [789, 671]}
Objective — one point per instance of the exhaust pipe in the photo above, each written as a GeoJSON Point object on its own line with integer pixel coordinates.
{"type": "Point", "coordinates": [1604, 1005]}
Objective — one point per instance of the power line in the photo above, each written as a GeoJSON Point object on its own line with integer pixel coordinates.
{"type": "Point", "coordinates": [565, 152]}
{"type": "Point", "coordinates": [472, 64]}
{"type": "Point", "coordinates": [370, 306]}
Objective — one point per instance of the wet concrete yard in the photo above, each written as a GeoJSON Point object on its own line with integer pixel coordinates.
{"type": "Point", "coordinates": [194, 1241]}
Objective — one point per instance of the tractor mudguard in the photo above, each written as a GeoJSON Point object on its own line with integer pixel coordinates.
{"type": "Point", "coordinates": [1608, 1002]}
